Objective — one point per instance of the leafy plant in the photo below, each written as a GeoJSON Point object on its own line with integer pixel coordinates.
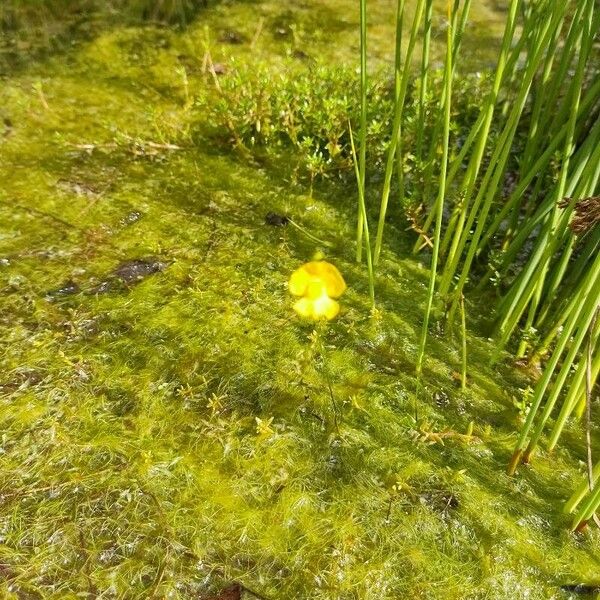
{"type": "Point", "coordinates": [305, 111]}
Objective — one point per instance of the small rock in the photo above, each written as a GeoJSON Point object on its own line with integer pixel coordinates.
{"type": "Point", "coordinates": [129, 273]}
{"type": "Point", "coordinates": [232, 592]}
{"type": "Point", "coordinates": [66, 289]}
{"type": "Point", "coordinates": [133, 271]}
{"type": "Point", "coordinates": [276, 220]}
{"type": "Point", "coordinates": [441, 399]}
{"type": "Point", "coordinates": [582, 589]}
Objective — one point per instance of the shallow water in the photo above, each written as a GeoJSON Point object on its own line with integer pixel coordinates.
{"type": "Point", "coordinates": [168, 424]}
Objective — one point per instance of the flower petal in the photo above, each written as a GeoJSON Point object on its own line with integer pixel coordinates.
{"type": "Point", "coordinates": [325, 307]}
{"type": "Point", "coordinates": [304, 307]}
{"type": "Point", "coordinates": [329, 274]}
{"type": "Point", "coordinates": [299, 281]}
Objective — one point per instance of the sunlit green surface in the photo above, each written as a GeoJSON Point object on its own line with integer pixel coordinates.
{"type": "Point", "coordinates": [131, 461]}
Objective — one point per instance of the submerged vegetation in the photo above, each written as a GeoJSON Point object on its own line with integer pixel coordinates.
{"type": "Point", "coordinates": [171, 428]}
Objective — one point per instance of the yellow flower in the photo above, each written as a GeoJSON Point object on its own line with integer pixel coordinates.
{"type": "Point", "coordinates": [317, 282]}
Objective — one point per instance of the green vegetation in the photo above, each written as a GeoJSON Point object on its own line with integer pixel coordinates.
{"type": "Point", "coordinates": [169, 426]}
{"type": "Point", "coordinates": [555, 49]}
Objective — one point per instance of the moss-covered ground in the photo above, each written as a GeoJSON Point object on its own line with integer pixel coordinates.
{"type": "Point", "coordinates": [168, 425]}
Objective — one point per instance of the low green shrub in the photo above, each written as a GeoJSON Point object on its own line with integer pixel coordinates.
{"type": "Point", "coordinates": [308, 110]}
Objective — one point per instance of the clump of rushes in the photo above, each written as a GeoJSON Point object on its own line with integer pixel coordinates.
{"type": "Point", "coordinates": [540, 243]}
{"type": "Point", "coordinates": [542, 275]}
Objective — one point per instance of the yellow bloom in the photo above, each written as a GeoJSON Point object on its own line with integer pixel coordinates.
{"type": "Point", "coordinates": [317, 282]}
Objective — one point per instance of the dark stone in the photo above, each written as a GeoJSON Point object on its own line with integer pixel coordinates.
{"type": "Point", "coordinates": [129, 273]}
{"type": "Point", "coordinates": [66, 289]}
{"type": "Point", "coordinates": [582, 589]}
{"type": "Point", "coordinates": [276, 220]}
{"type": "Point", "coordinates": [133, 271]}
{"type": "Point", "coordinates": [231, 592]}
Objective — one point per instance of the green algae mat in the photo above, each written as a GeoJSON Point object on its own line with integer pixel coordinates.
{"type": "Point", "coordinates": [170, 428]}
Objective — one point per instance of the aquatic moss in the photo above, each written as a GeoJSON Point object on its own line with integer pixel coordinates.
{"type": "Point", "coordinates": [132, 463]}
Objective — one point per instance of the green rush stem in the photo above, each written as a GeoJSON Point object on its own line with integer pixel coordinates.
{"type": "Point", "coordinates": [551, 116]}
{"type": "Point", "coordinates": [457, 31]}
{"type": "Point", "coordinates": [468, 185]}
{"type": "Point", "coordinates": [424, 78]}
{"type": "Point", "coordinates": [583, 328]}
{"type": "Point", "coordinates": [441, 191]}
{"type": "Point", "coordinates": [309, 235]}
{"type": "Point", "coordinates": [581, 491]}
{"type": "Point", "coordinates": [534, 292]}
{"type": "Point", "coordinates": [584, 190]}
{"type": "Point", "coordinates": [538, 167]}
{"type": "Point", "coordinates": [398, 111]}
{"type": "Point", "coordinates": [513, 305]}
{"type": "Point", "coordinates": [363, 212]}
{"type": "Point", "coordinates": [534, 132]}
{"type": "Point", "coordinates": [397, 90]}
{"type": "Point", "coordinates": [460, 29]}
{"type": "Point", "coordinates": [540, 98]}
{"type": "Point", "coordinates": [463, 323]}
{"type": "Point", "coordinates": [587, 509]}
{"type": "Point", "coordinates": [574, 277]}
{"type": "Point", "coordinates": [532, 15]}
{"type": "Point", "coordinates": [575, 394]}
{"type": "Point", "coordinates": [580, 162]}
{"type": "Point", "coordinates": [454, 166]}
{"type": "Point", "coordinates": [363, 125]}
{"type": "Point", "coordinates": [577, 283]}
{"type": "Point", "coordinates": [497, 166]}
{"type": "Point", "coordinates": [589, 383]}
{"type": "Point", "coordinates": [586, 306]}
{"type": "Point", "coordinates": [536, 296]}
